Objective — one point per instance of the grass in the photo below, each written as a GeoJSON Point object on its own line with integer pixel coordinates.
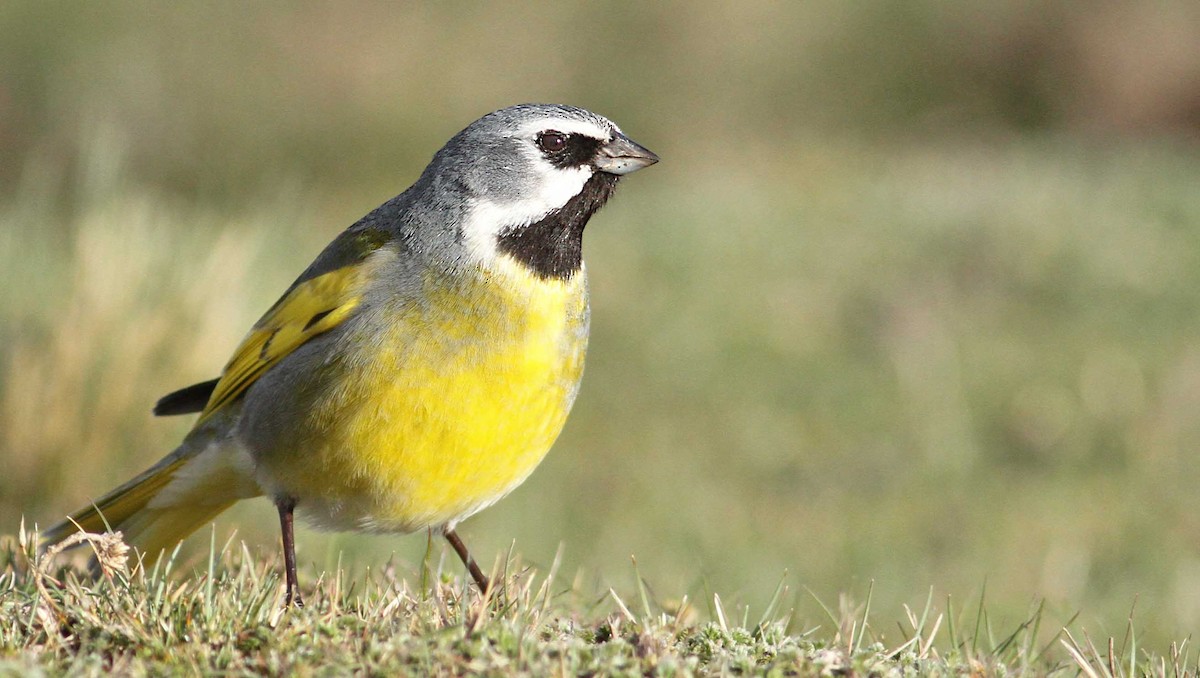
{"type": "Point", "coordinates": [227, 618]}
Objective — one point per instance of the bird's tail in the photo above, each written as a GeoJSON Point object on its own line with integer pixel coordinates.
{"type": "Point", "coordinates": [166, 503]}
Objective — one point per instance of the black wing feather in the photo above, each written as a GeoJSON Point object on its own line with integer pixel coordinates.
{"type": "Point", "coordinates": [185, 400]}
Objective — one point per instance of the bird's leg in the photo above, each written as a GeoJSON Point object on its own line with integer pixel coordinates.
{"type": "Point", "coordinates": [461, 549]}
{"type": "Point", "coordinates": [286, 506]}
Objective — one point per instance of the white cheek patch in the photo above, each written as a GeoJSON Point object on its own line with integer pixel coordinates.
{"type": "Point", "coordinates": [488, 218]}
{"type": "Point", "coordinates": [555, 187]}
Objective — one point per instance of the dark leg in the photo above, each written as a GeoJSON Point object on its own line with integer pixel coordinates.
{"type": "Point", "coordinates": [286, 505]}
{"type": "Point", "coordinates": [461, 549]}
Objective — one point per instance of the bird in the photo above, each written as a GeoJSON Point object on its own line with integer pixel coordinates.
{"type": "Point", "coordinates": [419, 369]}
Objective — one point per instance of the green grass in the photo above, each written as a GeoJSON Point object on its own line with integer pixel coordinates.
{"type": "Point", "coordinates": [227, 618]}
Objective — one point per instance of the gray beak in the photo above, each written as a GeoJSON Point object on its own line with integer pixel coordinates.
{"type": "Point", "coordinates": [623, 155]}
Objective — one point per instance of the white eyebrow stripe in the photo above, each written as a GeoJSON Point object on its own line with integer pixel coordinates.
{"type": "Point", "coordinates": [565, 125]}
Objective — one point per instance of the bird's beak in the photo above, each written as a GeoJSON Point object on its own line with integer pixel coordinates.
{"type": "Point", "coordinates": [623, 155]}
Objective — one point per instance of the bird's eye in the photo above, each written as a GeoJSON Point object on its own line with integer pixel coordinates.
{"type": "Point", "coordinates": [552, 142]}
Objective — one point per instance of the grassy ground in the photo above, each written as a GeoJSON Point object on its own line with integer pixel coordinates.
{"type": "Point", "coordinates": [227, 619]}
{"type": "Point", "coordinates": [899, 312]}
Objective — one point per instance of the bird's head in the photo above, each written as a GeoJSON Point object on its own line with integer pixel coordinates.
{"type": "Point", "coordinates": [532, 175]}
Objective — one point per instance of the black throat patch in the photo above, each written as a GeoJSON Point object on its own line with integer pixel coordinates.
{"type": "Point", "coordinates": [553, 246]}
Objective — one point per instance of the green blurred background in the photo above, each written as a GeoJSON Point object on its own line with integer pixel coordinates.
{"type": "Point", "coordinates": [913, 296]}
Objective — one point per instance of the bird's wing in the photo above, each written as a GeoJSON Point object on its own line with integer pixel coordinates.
{"type": "Point", "coordinates": [348, 249]}
{"type": "Point", "coordinates": [310, 308]}
{"type": "Point", "coordinates": [320, 300]}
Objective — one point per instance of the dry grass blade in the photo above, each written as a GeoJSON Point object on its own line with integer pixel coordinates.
{"type": "Point", "coordinates": [1094, 669]}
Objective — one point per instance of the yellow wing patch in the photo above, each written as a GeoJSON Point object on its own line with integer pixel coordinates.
{"type": "Point", "coordinates": [311, 308]}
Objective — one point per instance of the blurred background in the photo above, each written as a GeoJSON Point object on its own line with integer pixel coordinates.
{"type": "Point", "coordinates": [913, 298]}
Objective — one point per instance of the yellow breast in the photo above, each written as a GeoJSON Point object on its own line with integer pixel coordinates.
{"type": "Point", "coordinates": [451, 407]}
